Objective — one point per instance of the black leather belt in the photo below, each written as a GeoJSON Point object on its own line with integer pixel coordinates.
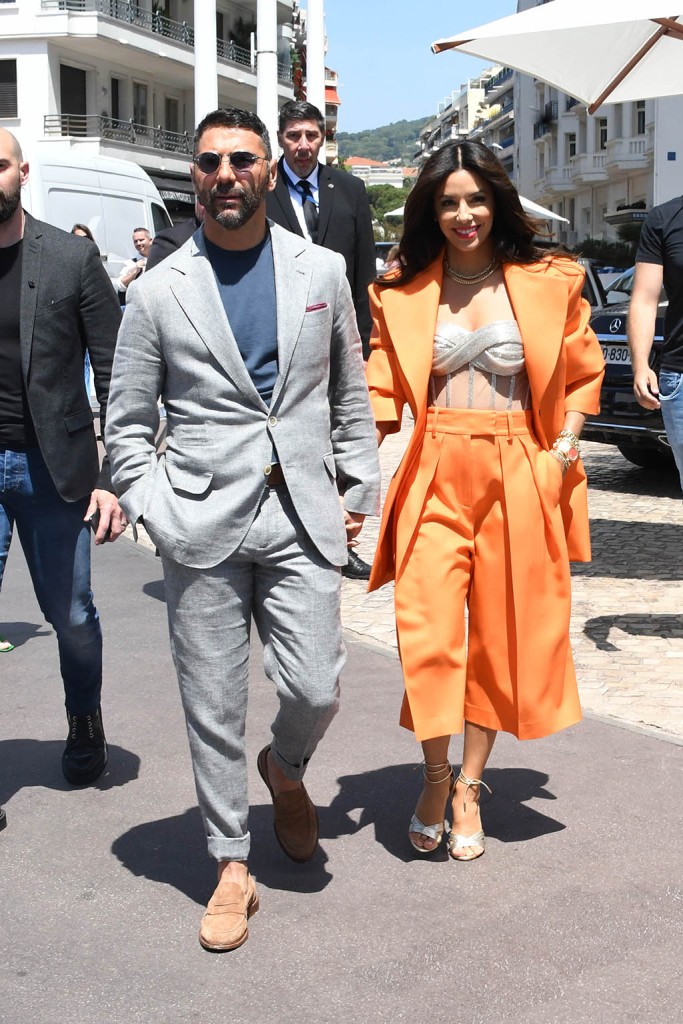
{"type": "Point", "coordinates": [276, 477]}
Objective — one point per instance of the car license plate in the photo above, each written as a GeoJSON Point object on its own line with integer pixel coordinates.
{"type": "Point", "coordinates": [616, 355]}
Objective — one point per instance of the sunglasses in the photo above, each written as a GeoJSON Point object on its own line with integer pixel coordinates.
{"type": "Point", "coordinates": [209, 162]}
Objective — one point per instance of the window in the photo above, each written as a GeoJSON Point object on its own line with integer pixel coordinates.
{"type": "Point", "coordinates": [640, 117]}
{"type": "Point", "coordinates": [139, 103]}
{"type": "Point", "coordinates": [572, 213]}
{"type": "Point", "coordinates": [602, 133]}
{"type": "Point", "coordinates": [170, 114]}
{"type": "Point", "coordinates": [116, 98]}
{"type": "Point", "coordinates": [8, 88]}
{"type": "Point", "coordinates": [571, 145]}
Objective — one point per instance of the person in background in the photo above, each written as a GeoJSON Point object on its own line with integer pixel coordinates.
{"type": "Point", "coordinates": [170, 239]}
{"type": "Point", "coordinates": [488, 341]}
{"type": "Point", "coordinates": [142, 240]}
{"type": "Point", "coordinates": [330, 207]}
{"type": "Point", "coordinates": [659, 262]}
{"type": "Point", "coordinates": [56, 302]}
{"type": "Point", "coordinates": [83, 230]}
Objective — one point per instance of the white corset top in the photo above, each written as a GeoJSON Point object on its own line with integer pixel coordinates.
{"type": "Point", "coordinates": [478, 358]}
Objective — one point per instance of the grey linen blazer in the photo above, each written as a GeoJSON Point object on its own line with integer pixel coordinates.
{"type": "Point", "coordinates": [199, 498]}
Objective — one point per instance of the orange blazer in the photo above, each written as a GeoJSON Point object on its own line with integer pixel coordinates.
{"type": "Point", "coordinates": [563, 359]}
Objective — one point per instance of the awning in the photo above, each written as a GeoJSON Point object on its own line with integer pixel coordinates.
{"type": "Point", "coordinates": [177, 190]}
{"type": "Point", "coordinates": [332, 96]}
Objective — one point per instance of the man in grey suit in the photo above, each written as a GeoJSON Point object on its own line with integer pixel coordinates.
{"type": "Point", "coordinates": [248, 335]}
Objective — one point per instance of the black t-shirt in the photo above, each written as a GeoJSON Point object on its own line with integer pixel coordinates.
{"type": "Point", "coordinates": [16, 425]}
{"type": "Point", "coordinates": [661, 242]}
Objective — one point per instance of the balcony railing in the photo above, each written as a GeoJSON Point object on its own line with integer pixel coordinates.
{"type": "Point", "coordinates": [501, 77]}
{"type": "Point", "coordinates": [115, 130]}
{"type": "Point", "coordinates": [131, 13]}
{"type": "Point", "coordinates": [550, 111]}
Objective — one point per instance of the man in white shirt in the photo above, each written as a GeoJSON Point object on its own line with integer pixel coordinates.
{"type": "Point", "coordinates": [142, 240]}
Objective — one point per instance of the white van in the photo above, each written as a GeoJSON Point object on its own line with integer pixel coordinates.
{"type": "Point", "coordinates": [113, 197]}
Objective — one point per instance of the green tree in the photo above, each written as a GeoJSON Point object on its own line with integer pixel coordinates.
{"type": "Point", "coordinates": [383, 198]}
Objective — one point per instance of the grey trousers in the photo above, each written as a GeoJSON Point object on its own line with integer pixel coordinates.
{"type": "Point", "coordinates": [278, 578]}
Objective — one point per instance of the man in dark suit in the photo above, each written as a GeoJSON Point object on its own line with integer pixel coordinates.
{"type": "Point", "coordinates": [330, 207]}
{"type": "Point", "coordinates": [56, 304]}
{"type": "Point", "coordinates": [170, 239]}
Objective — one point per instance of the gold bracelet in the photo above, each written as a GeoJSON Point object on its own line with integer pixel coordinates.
{"type": "Point", "coordinates": [560, 457]}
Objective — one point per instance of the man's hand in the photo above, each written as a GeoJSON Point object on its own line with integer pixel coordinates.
{"type": "Point", "coordinates": [112, 520]}
{"type": "Point", "coordinates": [354, 524]}
{"type": "Point", "coordinates": [646, 389]}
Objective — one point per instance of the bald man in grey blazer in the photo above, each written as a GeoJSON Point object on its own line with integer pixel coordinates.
{"type": "Point", "coordinates": [249, 337]}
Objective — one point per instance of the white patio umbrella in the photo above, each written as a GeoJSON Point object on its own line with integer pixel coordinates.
{"type": "Point", "coordinates": [598, 51]}
{"type": "Point", "coordinates": [531, 208]}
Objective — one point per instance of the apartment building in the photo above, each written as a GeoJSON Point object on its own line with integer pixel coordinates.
{"type": "Point", "coordinates": [116, 77]}
{"type": "Point", "coordinates": [455, 117]}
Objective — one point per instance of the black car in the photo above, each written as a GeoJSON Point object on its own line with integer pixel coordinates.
{"type": "Point", "coordinates": [638, 433]}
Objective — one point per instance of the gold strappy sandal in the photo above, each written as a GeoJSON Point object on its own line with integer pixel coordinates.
{"type": "Point", "coordinates": [434, 775]}
{"type": "Point", "coordinates": [459, 842]}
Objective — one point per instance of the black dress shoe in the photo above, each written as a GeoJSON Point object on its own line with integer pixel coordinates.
{"type": "Point", "coordinates": [356, 568]}
{"type": "Point", "coordinates": [3, 819]}
{"type": "Point", "coordinates": [85, 754]}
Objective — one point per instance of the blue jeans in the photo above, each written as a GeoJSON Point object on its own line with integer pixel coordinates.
{"type": "Point", "coordinates": [671, 398]}
{"type": "Point", "coordinates": [56, 544]}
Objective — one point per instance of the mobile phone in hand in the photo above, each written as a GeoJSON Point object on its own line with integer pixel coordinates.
{"type": "Point", "coordinates": [94, 521]}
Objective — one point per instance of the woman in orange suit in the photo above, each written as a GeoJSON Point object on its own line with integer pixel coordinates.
{"type": "Point", "coordinates": [486, 339]}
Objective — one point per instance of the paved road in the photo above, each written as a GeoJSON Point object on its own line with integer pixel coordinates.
{"type": "Point", "coordinates": [574, 914]}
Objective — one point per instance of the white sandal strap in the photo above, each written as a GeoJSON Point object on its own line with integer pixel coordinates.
{"type": "Point", "coordinates": [430, 831]}
{"type": "Point", "coordinates": [457, 842]}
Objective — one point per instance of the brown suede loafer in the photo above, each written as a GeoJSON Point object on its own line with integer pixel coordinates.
{"type": "Point", "coordinates": [224, 925]}
{"type": "Point", "coordinates": [295, 817]}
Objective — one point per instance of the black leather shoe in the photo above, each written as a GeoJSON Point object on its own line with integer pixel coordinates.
{"type": "Point", "coordinates": [85, 754]}
{"type": "Point", "coordinates": [3, 819]}
{"type": "Point", "coordinates": [356, 568]}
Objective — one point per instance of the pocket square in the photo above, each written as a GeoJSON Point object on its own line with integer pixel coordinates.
{"type": "Point", "coordinates": [318, 305]}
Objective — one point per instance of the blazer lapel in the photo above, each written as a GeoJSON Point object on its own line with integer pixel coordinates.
{"type": "Point", "coordinates": [282, 196]}
{"type": "Point", "coordinates": [539, 302]}
{"type": "Point", "coordinates": [292, 283]}
{"type": "Point", "coordinates": [30, 287]}
{"type": "Point", "coordinates": [196, 291]}
{"type": "Point", "coordinates": [410, 314]}
{"type": "Point", "coordinates": [325, 201]}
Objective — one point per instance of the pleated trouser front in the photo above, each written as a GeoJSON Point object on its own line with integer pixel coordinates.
{"type": "Point", "coordinates": [489, 539]}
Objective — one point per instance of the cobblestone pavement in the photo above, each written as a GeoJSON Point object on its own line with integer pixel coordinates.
{"type": "Point", "coordinates": [627, 626]}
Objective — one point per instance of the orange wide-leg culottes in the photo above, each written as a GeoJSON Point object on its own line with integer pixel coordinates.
{"type": "Point", "coordinates": [489, 539]}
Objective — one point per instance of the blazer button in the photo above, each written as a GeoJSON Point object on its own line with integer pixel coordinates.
{"type": "Point", "coordinates": [272, 421]}
{"type": "Point", "coordinates": [267, 470]}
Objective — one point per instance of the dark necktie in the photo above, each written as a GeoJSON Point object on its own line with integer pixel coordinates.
{"type": "Point", "coordinates": [310, 209]}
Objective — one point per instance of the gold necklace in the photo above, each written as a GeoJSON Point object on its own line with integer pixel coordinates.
{"type": "Point", "coordinates": [474, 278]}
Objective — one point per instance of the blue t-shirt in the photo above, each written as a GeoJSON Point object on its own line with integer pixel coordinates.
{"type": "Point", "coordinates": [246, 283]}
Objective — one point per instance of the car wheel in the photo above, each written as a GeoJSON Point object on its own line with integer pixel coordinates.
{"type": "Point", "coordinates": [648, 458]}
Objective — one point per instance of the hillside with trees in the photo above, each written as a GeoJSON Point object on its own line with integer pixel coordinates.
{"type": "Point", "coordinates": [397, 141]}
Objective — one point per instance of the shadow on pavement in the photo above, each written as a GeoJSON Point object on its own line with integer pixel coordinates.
{"type": "Point", "coordinates": [27, 762]}
{"type": "Point", "coordinates": [20, 633]}
{"type": "Point", "coordinates": [667, 627]}
{"type": "Point", "coordinates": [660, 483]}
{"type": "Point", "coordinates": [173, 851]}
{"type": "Point", "coordinates": [386, 799]}
{"type": "Point", "coordinates": [653, 551]}
{"type": "Point", "coordinates": [155, 589]}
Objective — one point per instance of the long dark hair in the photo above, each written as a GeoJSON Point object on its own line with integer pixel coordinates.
{"type": "Point", "coordinates": [513, 230]}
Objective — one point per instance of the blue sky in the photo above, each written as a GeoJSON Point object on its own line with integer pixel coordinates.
{"type": "Point", "coordinates": [380, 49]}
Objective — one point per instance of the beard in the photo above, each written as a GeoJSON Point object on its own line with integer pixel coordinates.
{"type": "Point", "coordinates": [249, 201]}
{"type": "Point", "coordinates": [9, 202]}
